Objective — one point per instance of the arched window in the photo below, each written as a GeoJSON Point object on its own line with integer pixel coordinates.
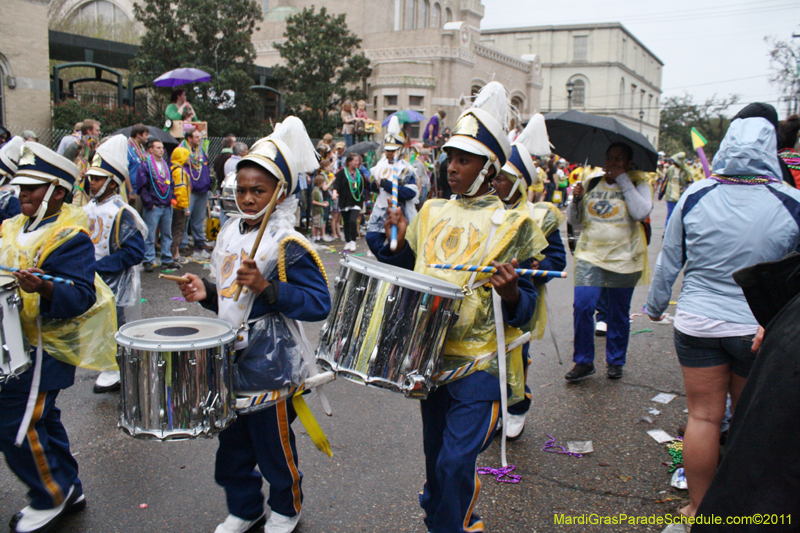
{"type": "Point", "coordinates": [448, 15]}
{"type": "Point", "coordinates": [517, 102]}
{"type": "Point", "coordinates": [578, 93]}
{"type": "Point", "coordinates": [423, 14]}
{"type": "Point", "coordinates": [411, 15]}
{"type": "Point", "coordinates": [100, 12]}
{"type": "Point", "coordinates": [435, 16]}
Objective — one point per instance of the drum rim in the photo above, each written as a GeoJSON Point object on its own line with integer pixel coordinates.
{"type": "Point", "coordinates": [12, 285]}
{"type": "Point", "coordinates": [168, 345]}
{"type": "Point", "coordinates": [403, 277]}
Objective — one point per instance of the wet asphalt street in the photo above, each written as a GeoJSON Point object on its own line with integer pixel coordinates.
{"type": "Point", "coordinates": [372, 482]}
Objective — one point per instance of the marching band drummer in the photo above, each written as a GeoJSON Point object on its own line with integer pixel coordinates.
{"type": "Point", "coordinates": [512, 184]}
{"type": "Point", "coordinates": [9, 158]}
{"type": "Point", "coordinates": [49, 236]}
{"type": "Point", "coordinates": [460, 416]}
{"type": "Point", "coordinates": [391, 166]}
{"type": "Point", "coordinates": [118, 234]}
{"type": "Point", "coordinates": [284, 282]}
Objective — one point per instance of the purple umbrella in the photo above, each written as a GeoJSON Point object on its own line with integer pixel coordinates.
{"type": "Point", "coordinates": [181, 76]}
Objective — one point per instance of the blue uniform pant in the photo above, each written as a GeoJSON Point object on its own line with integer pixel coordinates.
{"type": "Point", "coordinates": [522, 406]}
{"type": "Point", "coordinates": [617, 318]}
{"type": "Point", "coordinates": [602, 305]}
{"type": "Point", "coordinates": [455, 430]}
{"type": "Point", "coordinates": [264, 439]}
{"type": "Point", "coordinates": [670, 207]}
{"type": "Point", "coordinates": [43, 462]}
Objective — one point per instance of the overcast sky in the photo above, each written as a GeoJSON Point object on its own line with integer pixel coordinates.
{"type": "Point", "coordinates": [707, 46]}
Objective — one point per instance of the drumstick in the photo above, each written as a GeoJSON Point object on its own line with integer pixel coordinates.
{"type": "Point", "coordinates": [492, 270]}
{"type": "Point", "coordinates": [47, 277]}
{"type": "Point", "coordinates": [179, 279]}
{"type": "Point", "coordinates": [393, 245]}
{"type": "Point", "coordinates": [267, 214]}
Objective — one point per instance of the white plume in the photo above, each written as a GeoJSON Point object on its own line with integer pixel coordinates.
{"type": "Point", "coordinates": [114, 150]}
{"type": "Point", "coordinates": [11, 151]}
{"type": "Point", "coordinates": [393, 128]}
{"type": "Point", "coordinates": [293, 133]}
{"type": "Point", "coordinates": [534, 137]}
{"type": "Point", "coordinates": [493, 99]}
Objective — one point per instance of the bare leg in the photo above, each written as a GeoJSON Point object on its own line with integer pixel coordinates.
{"type": "Point", "coordinates": [706, 395]}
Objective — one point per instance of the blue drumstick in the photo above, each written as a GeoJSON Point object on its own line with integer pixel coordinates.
{"type": "Point", "coordinates": [393, 244]}
{"type": "Point", "coordinates": [492, 270]}
{"type": "Point", "coordinates": [47, 277]}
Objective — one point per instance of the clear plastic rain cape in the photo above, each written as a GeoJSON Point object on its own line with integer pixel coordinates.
{"type": "Point", "coordinates": [612, 248]}
{"type": "Point", "coordinates": [456, 231]}
{"type": "Point", "coordinates": [109, 230]}
{"type": "Point", "coordinates": [87, 340]}
{"type": "Point", "coordinates": [269, 349]}
{"type": "Point", "coordinates": [548, 218]}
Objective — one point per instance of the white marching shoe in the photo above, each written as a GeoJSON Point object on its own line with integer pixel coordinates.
{"type": "Point", "coordinates": [234, 524]}
{"type": "Point", "coordinates": [600, 329]}
{"type": "Point", "coordinates": [107, 381]}
{"type": "Point", "coordinates": [30, 520]}
{"type": "Point", "coordinates": [279, 523]}
{"type": "Point", "coordinates": [515, 425]}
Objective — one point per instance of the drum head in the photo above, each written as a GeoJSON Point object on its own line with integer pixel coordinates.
{"type": "Point", "coordinates": [7, 281]}
{"type": "Point", "coordinates": [402, 277]}
{"type": "Point", "coordinates": [175, 334]}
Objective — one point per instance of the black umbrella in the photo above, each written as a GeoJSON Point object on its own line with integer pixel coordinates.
{"type": "Point", "coordinates": [582, 137]}
{"type": "Point", "coordinates": [155, 133]}
{"type": "Point", "coordinates": [363, 147]}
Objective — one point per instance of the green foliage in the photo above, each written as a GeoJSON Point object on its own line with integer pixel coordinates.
{"type": "Point", "coordinates": [214, 36]}
{"type": "Point", "coordinates": [319, 64]}
{"type": "Point", "coordinates": [69, 112]}
{"type": "Point", "coordinates": [680, 114]}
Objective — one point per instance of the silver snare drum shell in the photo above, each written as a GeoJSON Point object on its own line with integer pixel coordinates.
{"type": "Point", "coordinates": [175, 377]}
{"type": "Point", "coordinates": [388, 326]}
{"type": "Point", "coordinates": [14, 355]}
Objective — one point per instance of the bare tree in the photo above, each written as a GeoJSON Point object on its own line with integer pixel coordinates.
{"type": "Point", "coordinates": [784, 59]}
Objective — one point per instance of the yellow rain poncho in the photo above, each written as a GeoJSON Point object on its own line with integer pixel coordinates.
{"type": "Point", "coordinates": [548, 218]}
{"type": "Point", "coordinates": [612, 248]}
{"type": "Point", "coordinates": [456, 231]}
{"type": "Point", "coordinates": [87, 340]}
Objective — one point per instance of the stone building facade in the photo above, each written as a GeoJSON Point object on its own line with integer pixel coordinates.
{"type": "Point", "coordinates": [425, 54]}
{"type": "Point", "coordinates": [611, 71]}
{"type": "Point", "coordinates": [24, 65]}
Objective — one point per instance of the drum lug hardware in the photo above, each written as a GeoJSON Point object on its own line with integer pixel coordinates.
{"type": "Point", "coordinates": [193, 361]}
{"type": "Point", "coordinates": [14, 300]}
{"type": "Point", "coordinates": [466, 290]}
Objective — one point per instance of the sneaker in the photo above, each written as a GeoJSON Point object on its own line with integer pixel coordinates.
{"type": "Point", "coordinates": [156, 264]}
{"type": "Point", "coordinates": [148, 266]}
{"type": "Point", "coordinates": [600, 329]}
{"type": "Point", "coordinates": [234, 524]}
{"type": "Point", "coordinates": [31, 520]}
{"type": "Point", "coordinates": [515, 425]}
{"type": "Point", "coordinates": [327, 238]}
{"type": "Point", "coordinates": [352, 246]}
{"type": "Point", "coordinates": [279, 523]}
{"type": "Point", "coordinates": [181, 260]}
{"type": "Point", "coordinates": [579, 372]}
{"type": "Point", "coordinates": [614, 371]}
{"type": "Point", "coordinates": [170, 266]}
{"type": "Point", "coordinates": [106, 382]}
{"type": "Point", "coordinates": [201, 255]}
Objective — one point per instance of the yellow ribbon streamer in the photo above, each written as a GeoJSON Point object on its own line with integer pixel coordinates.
{"type": "Point", "coordinates": [310, 423]}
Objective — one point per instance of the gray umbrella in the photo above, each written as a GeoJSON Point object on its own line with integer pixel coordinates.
{"type": "Point", "coordinates": [363, 147]}
{"type": "Point", "coordinates": [155, 133]}
{"type": "Point", "coordinates": [580, 137]}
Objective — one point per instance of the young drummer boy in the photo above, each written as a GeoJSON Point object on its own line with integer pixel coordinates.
{"type": "Point", "coordinates": [284, 282]}
{"type": "Point", "coordinates": [44, 238]}
{"type": "Point", "coordinates": [459, 417]}
{"type": "Point", "coordinates": [117, 232]}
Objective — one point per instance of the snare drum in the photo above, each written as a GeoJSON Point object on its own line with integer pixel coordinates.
{"type": "Point", "coordinates": [14, 356]}
{"type": "Point", "coordinates": [388, 326]}
{"type": "Point", "coordinates": [175, 377]}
